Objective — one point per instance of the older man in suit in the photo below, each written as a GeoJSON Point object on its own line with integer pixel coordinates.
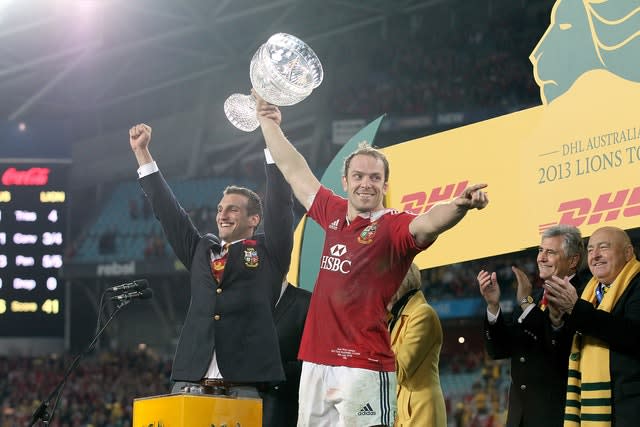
{"type": "Point", "coordinates": [603, 325]}
{"type": "Point", "coordinates": [228, 344]}
{"type": "Point", "coordinates": [538, 363]}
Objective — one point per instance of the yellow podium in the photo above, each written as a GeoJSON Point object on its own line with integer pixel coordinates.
{"type": "Point", "coordinates": [195, 410]}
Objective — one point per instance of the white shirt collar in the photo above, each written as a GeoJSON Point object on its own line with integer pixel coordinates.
{"type": "Point", "coordinates": [371, 216]}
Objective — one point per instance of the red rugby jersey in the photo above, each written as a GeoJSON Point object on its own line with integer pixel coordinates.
{"type": "Point", "coordinates": [362, 266]}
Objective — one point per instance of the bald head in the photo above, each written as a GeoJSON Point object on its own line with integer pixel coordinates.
{"type": "Point", "coordinates": [608, 250]}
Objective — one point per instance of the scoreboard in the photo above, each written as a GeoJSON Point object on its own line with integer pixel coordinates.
{"type": "Point", "coordinates": [33, 219]}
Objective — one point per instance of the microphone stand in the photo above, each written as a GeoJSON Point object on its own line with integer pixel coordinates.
{"type": "Point", "coordinates": [42, 412]}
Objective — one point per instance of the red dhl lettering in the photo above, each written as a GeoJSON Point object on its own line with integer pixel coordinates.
{"type": "Point", "coordinates": [31, 176]}
{"type": "Point", "coordinates": [419, 202]}
{"type": "Point", "coordinates": [607, 207]}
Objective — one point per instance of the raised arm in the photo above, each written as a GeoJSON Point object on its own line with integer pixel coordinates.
{"type": "Point", "coordinates": [278, 220]}
{"type": "Point", "coordinates": [293, 166]}
{"type": "Point", "coordinates": [139, 138]}
{"type": "Point", "coordinates": [178, 228]}
{"type": "Point", "coordinates": [427, 226]}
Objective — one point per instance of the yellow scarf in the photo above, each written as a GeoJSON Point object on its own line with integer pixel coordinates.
{"type": "Point", "coordinates": [589, 384]}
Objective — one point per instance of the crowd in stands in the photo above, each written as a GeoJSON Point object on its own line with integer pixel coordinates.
{"type": "Point", "coordinates": [139, 209]}
{"type": "Point", "coordinates": [204, 218]}
{"type": "Point", "coordinates": [98, 393]}
{"type": "Point", "coordinates": [101, 390]}
{"type": "Point", "coordinates": [481, 66]}
{"type": "Point", "coordinates": [107, 242]}
{"type": "Point", "coordinates": [485, 404]}
{"type": "Point", "coordinates": [459, 362]}
{"type": "Point", "coordinates": [154, 245]}
{"type": "Point", "coordinates": [459, 280]}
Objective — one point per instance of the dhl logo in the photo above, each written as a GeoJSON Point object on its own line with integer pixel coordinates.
{"type": "Point", "coordinates": [607, 207]}
{"type": "Point", "coordinates": [418, 203]}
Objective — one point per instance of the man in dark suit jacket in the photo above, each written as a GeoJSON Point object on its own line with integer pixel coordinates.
{"type": "Point", "coordinates": [538, 363]}
{"type": "Point", "coordinates": [604, 325]}
{"type": "Point", "coordinates": [228, 340]}
{"type": "Point", "coordinates": [280, 403]}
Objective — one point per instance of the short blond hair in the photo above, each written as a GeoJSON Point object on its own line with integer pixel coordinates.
{"type": "Point", "coordinates": [412, 280]}
{"type": "Point", "coordinates": [366, 149]}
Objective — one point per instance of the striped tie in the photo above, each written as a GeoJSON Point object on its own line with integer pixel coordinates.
{"type": "Point", "coordinates": [601, 290]}
{"type": "Point", "coordinates": [218, 263]}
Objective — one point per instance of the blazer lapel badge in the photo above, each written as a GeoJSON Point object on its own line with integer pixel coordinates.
{"type": "Point", "coordinates": [251, 258]}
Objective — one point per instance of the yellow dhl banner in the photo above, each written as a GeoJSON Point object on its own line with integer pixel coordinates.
{"type": "Point", "coordinates": [575, 161]}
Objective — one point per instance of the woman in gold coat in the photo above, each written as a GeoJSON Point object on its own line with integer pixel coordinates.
{"type": "Point", "coordinates": [416, 339]}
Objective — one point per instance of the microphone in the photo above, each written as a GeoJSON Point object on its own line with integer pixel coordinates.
{"type": "Point", "coordinates": [136, 285]}
{"type": "Point", "coordinates": [143, 294]}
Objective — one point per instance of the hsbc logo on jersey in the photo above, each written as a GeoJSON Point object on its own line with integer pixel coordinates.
{"type": "Point", "coordinates": [338, 250]}
{"type": "Point", "coordinates": [334, 263]}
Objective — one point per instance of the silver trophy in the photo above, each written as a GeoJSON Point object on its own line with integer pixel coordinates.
{"type": "Point", "coordinates": [283, 71]}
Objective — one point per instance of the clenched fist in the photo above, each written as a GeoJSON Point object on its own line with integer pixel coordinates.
{"type": "Point", "coordinates": [139, 136]}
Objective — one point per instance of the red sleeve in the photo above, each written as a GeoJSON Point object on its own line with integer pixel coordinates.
{"type": "Point", "coordinates": [326, 207]}
{"type": "Point", "coordinates": [401, 238]}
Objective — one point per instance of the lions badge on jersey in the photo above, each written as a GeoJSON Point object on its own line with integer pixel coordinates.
{"type": "Point", "coordinates": [251, 258]}
{"type": "Point", "coordinates": [368, 234]}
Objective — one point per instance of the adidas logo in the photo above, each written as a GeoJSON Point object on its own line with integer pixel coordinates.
{"type": "Point", "coordinates": [334, 224]}
{"type": "Point", "coordinates": [366, 410]}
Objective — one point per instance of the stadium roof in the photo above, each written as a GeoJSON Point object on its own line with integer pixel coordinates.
{"type": "Point", "coordinates": [103, 61]}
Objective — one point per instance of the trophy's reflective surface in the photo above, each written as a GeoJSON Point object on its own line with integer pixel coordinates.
{"type": "Point", "coordinates": [283, 71]}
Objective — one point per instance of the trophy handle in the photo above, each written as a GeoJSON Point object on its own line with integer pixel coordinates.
{"type": "Point", "coordinates": [240, 109]}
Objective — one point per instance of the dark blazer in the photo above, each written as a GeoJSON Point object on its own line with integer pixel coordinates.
{"type": "Point", "coordinates": [538, 373]}
{"type": "Point", "coordinates": [280, 404]}
{"type": "Point", "coordinates": [235, 316]}
{"type": "Point", "coordinates": [620, 329]}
